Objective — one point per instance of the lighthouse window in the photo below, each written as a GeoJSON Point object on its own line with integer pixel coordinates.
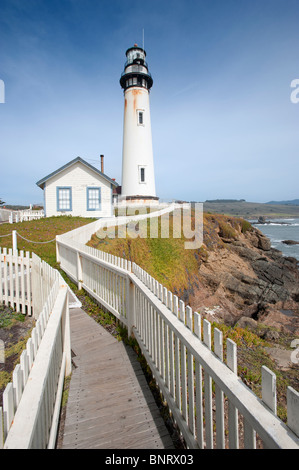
{"type": "Point", "coordinates": [142, 175]}
{"type": "Point", "coordinates": [140, 118]}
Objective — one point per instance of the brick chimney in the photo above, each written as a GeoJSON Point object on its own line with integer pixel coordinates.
{"type": "Point", "coordinates": [102, 163]}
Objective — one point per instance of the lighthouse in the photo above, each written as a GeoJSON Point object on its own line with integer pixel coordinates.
{"type": "Point", "coordinates": [138, 178]}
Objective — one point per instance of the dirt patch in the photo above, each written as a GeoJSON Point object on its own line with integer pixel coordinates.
{"type": "Point", "coordinates": [15, 329]}
{"type": "Point", "coordinates": [283, 357]}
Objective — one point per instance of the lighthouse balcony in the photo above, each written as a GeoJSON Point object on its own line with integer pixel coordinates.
{"type": "Point", "coordinates": [130, 79]}
{"type": "Point", "coordinates": [136, 68]}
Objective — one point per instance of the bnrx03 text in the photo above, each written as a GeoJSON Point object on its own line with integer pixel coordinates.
{"type": "Point", "coordinates": [153, 459]}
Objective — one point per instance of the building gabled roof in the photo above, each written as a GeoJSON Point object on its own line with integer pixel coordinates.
{"type": "Point", "coordinates": [41, 183]}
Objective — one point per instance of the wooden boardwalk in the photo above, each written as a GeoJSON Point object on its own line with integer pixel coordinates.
{"type": "Point", "coordinates": [110, 405]}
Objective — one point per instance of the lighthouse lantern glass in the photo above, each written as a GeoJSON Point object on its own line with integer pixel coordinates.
{"type": "Point", "coordinates": [135, 54]}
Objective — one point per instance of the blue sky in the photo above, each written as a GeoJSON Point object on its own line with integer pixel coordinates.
{"type": "Point", "coordinates": [223, 123]}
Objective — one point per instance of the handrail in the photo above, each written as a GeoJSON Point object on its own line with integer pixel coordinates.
{"type": "Point", "coordinates": [169, 335]}
{"type": "Point", "coordinates": [240, 395]}
{"type": "Point", "coordinates": [31, 402]}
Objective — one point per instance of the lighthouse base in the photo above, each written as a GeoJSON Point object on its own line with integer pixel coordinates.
{"type": "Point", "coordinates": [138, 200]}
{"type": "Point", "coordinates": [141, 198]}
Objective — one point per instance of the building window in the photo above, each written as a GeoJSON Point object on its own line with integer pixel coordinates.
{"type": "Point", "coordinates": [93, 199]}
{"type": "Point", "coordinates": [64, 198]}
{"type": "Point", "coordinates": [142, 174]}
{"type": "Point", "coordinates": [140, 118]}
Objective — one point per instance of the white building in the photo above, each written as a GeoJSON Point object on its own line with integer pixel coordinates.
{"type": "Point", "coordinates": [78, 189]}
{"type": "Point", "coordinates": [138, 178]}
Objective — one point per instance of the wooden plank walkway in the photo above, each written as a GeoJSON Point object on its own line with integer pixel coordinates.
{"type": "Point", "coordinates": [110, 405]}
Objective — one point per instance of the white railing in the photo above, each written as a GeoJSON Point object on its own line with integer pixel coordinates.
{"type": "Point", "coordinates": [209, 402]}
{"type": "Point", "coordinates": [31, 402]}
{"type": "Point", "coordinates": [15, 280]}
{"type": "Point", "coordinates": [28, 214]}
{"type": "Point", "coordinates": [11, 216]}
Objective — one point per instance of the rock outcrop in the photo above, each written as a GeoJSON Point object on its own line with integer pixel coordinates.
{"type": "Point", "coordinates": [290, 242]}
{"type": "Point", "coordinates": [244, 277]}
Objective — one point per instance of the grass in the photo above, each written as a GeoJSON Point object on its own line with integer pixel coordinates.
{"type": "Point", "coordinates": [9, 322]}
{"type": "Point", "coordinates": [8, 318]}
{"type": "Point", "coordinates": [166, 259]}
{"type": "Point", "coordinates": [41, 230]}
{"type": "Point", "coordinates": [15, 350]}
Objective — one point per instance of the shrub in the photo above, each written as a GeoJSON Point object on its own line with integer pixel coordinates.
{"type": "Point", "coordinates": [245, 226]}
{"type": "Point", "coordinates": [226, 230]}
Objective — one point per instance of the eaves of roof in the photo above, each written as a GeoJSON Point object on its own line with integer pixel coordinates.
{"type": "Point", "coordinates": [42, 181]}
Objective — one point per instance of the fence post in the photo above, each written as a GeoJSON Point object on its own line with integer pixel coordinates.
{"type": "Point", "coordinates": [8, 407]}
{"type": "Point", "coordinates": [57, 249]}
{"type": "Point", "coordinates": [14, 242]}
{"type": "Point", "coordinates": [293, 410]}
{"type": "Point", "coordinates": [37, 298]}
{"type": "Point", "coordinates": [79, 271]}
{"type": "Point", "coordinates": [66, 334]}
{"type": "Point", "coordinates": [231, 355]}
{"type": "Point", "coordinates": [269, 388]}
{"type": "Point", "coordinates": [130, 305]}
{"type": "Point", "coordinates": [1, 429]}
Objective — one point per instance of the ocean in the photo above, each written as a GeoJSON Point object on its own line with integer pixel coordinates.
{"type": "Point", "coordinates": [281, 229]}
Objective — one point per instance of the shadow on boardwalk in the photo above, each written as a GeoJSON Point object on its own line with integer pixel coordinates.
{"type": "Point", "coordinates": [110, 405]}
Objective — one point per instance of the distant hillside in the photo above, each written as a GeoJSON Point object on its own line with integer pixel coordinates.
{"type": "Point", "coordinates": [15, 207]}
{"type": "Point", "coordinates": [252, 210]}
{"type": "Point", "coordinates": [294, 202]}
{"type": "Point", "coordinates": [225, 200]}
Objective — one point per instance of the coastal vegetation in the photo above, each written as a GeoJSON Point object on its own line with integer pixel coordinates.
{"type": "Point", "coordinates": [39, 235]}
{"type": "Point", "coordinates": [177, 269]}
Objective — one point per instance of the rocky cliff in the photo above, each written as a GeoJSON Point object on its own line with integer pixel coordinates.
{"type": "Point", "coordinates": [234, 274]}
{"type": "Point", "coordinates": [242, 276]}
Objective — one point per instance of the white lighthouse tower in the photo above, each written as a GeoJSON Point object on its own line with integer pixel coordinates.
{"type": "Point", "coordinates": [138, 179]}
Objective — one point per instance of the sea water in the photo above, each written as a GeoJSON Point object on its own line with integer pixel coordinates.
{"type": "Point", "coordinates": [278, 230]}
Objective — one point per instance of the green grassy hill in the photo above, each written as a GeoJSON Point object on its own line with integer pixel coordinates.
{"type": "Point", "coordinates": [41, 230]}
{"type": "Point", "coordinates": [166, 259]}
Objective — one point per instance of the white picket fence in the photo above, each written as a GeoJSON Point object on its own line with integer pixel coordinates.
{"type": "Point", "coordinates": [29, 214]}
{"type": "Point", "coordinates": [209, 402]}
{"type": "Point", "coordinates": [15, 280]}
{"type": "Point", "coordinates": [11, 216]}
{"type": "Point", "coordinates": [31, 402]}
